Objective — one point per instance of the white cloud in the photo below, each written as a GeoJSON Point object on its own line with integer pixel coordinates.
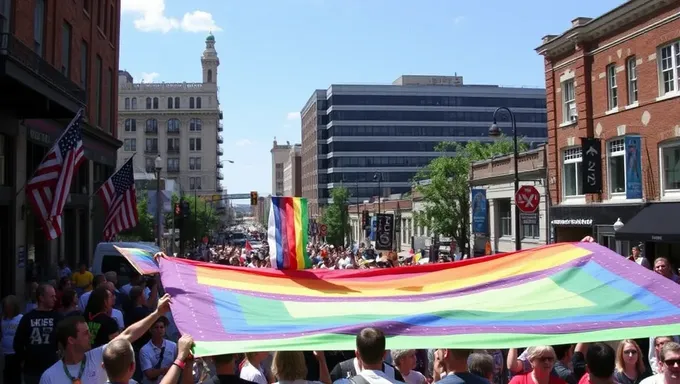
{"type": "Point", "coordinates": [243, 143]}
{"type": "Point", "coordinates": [149, 77]}
{"type": "Point", "coordinates": [149, 16]}
{"type": "Point", "coordinates": [293, 115]}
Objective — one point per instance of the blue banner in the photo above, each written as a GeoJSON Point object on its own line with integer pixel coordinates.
{"type": "Point", "coordinates": [633, 146]}
{"type": "Point", "coordinates": [480, 212]}
{"type": "Point", "coordinates": [166, 198]}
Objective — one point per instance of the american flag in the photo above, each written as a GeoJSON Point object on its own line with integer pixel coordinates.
{"type": "Point", "coordinates": [120, 201]}
{"type": "Point", "coordinates": [50, 185]}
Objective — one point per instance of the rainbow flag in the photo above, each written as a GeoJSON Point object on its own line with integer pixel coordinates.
{"type": "Point", "coordinates": [556, 294]}
{"type": "Point", "coordinates": [287, 233]}
{"type": "Point", "coordinates": [141, 260]}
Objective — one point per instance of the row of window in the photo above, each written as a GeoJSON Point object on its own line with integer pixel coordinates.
{"type": "Point", "coordinates": [173, 164]}
{"type": "Point", "coordinates": [393, 130]}
{"type": "Point", "coordinates": [520, 117]}
{"type": "Point", "coordinates": [173, 125]}
{"type": "Point", "coordinates": [365, 177]}
{"type": "Point", "coordinates": [389, 146]}
{"type": "Point", "coordinates": [668, 79]}
{"type": "Point", "coordinates": [173, 103]}
{"type": "Point", "coordinates": [438, 101]}
{"type": "Point", "coordinates": [616, 160]}
{"type": "Point", "coordinates": [151, 145]}
{"type": "Point", "coordinates": [380, 161]}
{"type": "Point", "coordinates": [106, 17]}
{"type": "Point", "coordinates": [324, 193]}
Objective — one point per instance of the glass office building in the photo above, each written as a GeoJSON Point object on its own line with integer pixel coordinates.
{"type": "Point", "coordinates": [352, 132]}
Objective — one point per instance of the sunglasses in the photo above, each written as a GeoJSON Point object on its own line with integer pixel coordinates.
{"type": "Point", "coordinates": [631, 352]}
{"type": "Point", "coordinates": [672, 362]}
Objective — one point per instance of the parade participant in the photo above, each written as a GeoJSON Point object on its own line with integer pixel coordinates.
{"type": "Point", "coordinates": [670, 359]}
{"type": "Point", "coordinates": [405, 361]}
{"type": "Point", "coordinates": [455, 367]}
{"type": "Point", "coordinates": [630, 367]}
{"type": "Point", "coordinates": [225, 367]}
{"type": "Point", "coordinates": [601, 363]}
{"type": "Point", "coordinates": [252, 367]}
{"type": "Point", "coordinates": [103, 327]}
{"type": "Point", "coordinates": [542, 359]}
{"type": "Point", "coordinates": [156, 356]}
{"type": "Point", "coordinates": [368, 366]}
{"type": "Point", "coordinates": [290, 367]}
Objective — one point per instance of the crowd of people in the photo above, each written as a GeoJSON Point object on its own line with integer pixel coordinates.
{"type": "Point", "coordinates": [91, 329]}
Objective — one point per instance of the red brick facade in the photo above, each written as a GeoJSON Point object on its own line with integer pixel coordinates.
{"type": "Point", "coordinates": [95, 24]}
{"type": "Point", "coordinates": [585, 52]}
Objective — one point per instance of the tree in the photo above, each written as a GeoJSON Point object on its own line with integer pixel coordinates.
{"type": "Point", "coordinates": [201, 220]}
{"type": "Point", "coordinates": [144, 229]}
{"type": "Point", "coordinates": [335, 217]}
{"type": "Point", "coordinates": [447, 194]}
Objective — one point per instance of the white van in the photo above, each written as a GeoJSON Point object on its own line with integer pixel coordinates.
{"type": "Point", "coordinates": [107, 258]}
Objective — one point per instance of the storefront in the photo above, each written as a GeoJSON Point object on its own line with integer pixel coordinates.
{"type": "Point", "coordinates": [656, 227]}
{"type": "Point", "coordinates": [574, 222]}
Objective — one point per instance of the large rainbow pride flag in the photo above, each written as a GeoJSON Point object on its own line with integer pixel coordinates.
{"type": "Point", "coordinates": [287, 233]}
{"type": "Point", "coordinates": [556, 294]}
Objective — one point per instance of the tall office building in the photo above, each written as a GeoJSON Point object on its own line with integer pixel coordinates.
{"type": "Point", "coordinates": [178, 121]}
{"type": "Point", "coordinates": [285, 169]}
{"type": "Point", "coordinates": [351, 133]}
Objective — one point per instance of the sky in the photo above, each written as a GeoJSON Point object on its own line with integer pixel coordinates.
{"type": "Point", "coordinates": [275, 53]}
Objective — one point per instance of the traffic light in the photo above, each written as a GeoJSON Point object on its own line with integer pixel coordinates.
{"type": "Point", "coordinates": [253, 198]}
{"type": "Point", "coordinates": [186, 210]}
{"type": "Point", "coordinates": [178, 209]}
{"type": "Point", "coordinates": [364, 219]}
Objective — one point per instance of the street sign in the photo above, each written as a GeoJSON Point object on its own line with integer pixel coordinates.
{"type": "Point", "coordinates": [527, 199]}
{"type": "Point", "coordinates": [529, 218]}
{"type": "Point", "coordinates": [591, 175]}
{"type": "Point", "coordinates": [323, 229]}
{"type": "Point", "coordinates": [237, 196]}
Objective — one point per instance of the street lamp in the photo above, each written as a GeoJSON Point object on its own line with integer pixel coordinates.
{"type": "Point", "coordinates": [618, 225]}
{"type": "Point", "coordinates": [158, 165]}
{"type": "Point", "coordinates": [378, 177]}
{"type": "Point", "coordinates": [495, 131]}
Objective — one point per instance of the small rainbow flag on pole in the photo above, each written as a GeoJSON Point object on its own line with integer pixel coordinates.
{"type": "Point", "coordinates": [141, 260]}
{"type": "Point", "coordinates": [287, 233]}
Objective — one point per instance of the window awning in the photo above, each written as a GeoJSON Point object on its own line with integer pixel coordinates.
{"type": "Point", "coordinates": [657, 222]}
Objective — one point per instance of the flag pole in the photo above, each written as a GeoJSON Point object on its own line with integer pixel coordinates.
{"type": "Point", "coordinates": [80, 112]}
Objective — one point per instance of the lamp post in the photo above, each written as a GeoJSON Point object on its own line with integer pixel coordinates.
{"type": "Point", "coordinates": [360, 229]}
{"type": "Point", "coordinates": [158, 165]}
{"type": "Point", "coordinates": [618, 225]}
{"type": "Point", "coordinates": [378, 177]}
{"type": "Point", "coordinates": [495, 131]}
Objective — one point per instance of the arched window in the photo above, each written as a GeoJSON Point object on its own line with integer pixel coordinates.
{"type": "Point", "coordinates": [155, 103]}
{"type": "Point", "coordinates": [148, 103]}
{"type": "Point", "coordinates": [191, 102]}
{"type": "Point", "coordinates": [134, 103]}
{"type": "Point", "coordinates": [130, 125]}
{"type": "Point", "coordinates": [198, 102]}
{"type": "Point", "coordinates": [169, 102]}
{"type": "Point", "coordinates": [173, 125]}
{"type": "Point", "coordinates": [195, 124]}
{"type": "Point", "coordinates": [152, 125]}
{"type": "Point", "coordinates": [209, 75]}
{"type": "Point", "coordinates": [176, 102]}
{"type": "Point", "coordinates": [127, 103]}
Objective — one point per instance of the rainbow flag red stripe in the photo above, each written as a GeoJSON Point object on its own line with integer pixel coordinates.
{"type": "Point", "coordinates": [287, 234]}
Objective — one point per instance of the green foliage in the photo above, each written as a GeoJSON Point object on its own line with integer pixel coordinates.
{"type": "Point", "coordinates": [336, 218]}
{"type": "Point", "coordinates": [203, 218]}
{"type": "Point", "coordinates": [447, 192]}
{"type": "Point", "coordinates": [144, 229]}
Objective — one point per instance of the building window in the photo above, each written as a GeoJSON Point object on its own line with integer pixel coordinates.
{"type": "Point", "coordinates": [631, 73]}
{"type": "Point", "coordinates": [150, 164]}
{"type": "Point", "coordinates": [670, 68]}
{"type": "Point", "coordinates": [148, 103]}
{"type": "Point", "coordinates": [130, 145]}
{"type": "Point", "coordinates": [670, 169]}
{"type": "Point", "coordinates": [155, 103]}
{"type": "Point", "coordinates": [86, 5]}
{"type": "Point", "coordinates": [98, 93]}
{"type": "Point", "coordinates": [169, 102]}
{"type": "Point", "coordinates": [151, 145]}
{"type": "Point", "coordinates": [134, 103]}
{"type": "Point", "coordinates": [195, 144]}
{"type": "Point", "coordinates": [195, 124]}
{"type": "Point", "coordinates": [97, 6]}
{"type": "Point", "coordinates": [191, 103]}
{"type": "Point", "coordinates": [616, 164]}
{"type": "Point", "coordinates": [194, 183]}
{"type": "Point", "coordinates": [66, 49]}
{"type": "Point", "coordinates": [112, 25]}
{"type": "Point", "coordinates": [198, 103]}
{"type": "Point", "coordinates": [39, 26]}
{"type": "Point", "coordinates": [152, 126]}
{"type": "Point", "coordinates": [195, 163]}
{"type": "Point", "coordinates": [569, 101]}
{"type": "Point", "coordinates": [531, 231]}
{"type": "Point", "coordinates": [112, 96]}
{"type": "Point", "coordinates": [176, 102]}
{"type": "Point", "coordinates": [571, 169]}
{"type": "Point", "coordinates": [130, 125]}
{"type": "Point", "coordinates": [173, 125]}
{"type": "Point", "coordinates": [127, 103]}
{"type": "Point", "coordinates": [505, 216]}
{"type": "Point", "coordinates": [84, 58]}
{"type": "Point", "coordinates": [209, 75]}
{"type": "Point", "coordinates": [173, 144]}
{"type": "Point", "coordinates": [612, 90]}
{"type": "Point", "coordinates": [173, 164]}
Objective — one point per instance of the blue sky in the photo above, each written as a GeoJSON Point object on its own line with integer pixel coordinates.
{"type": "Point", "coordinates": [275, 53]}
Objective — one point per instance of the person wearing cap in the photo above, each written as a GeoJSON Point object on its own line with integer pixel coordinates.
{"type": "Point", "coordinates": [156, 356]}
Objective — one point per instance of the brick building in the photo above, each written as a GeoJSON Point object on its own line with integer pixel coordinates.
{"type": "Point", "coordinates": [616, 78]}
{"type": "Point", "coordinates": [55, 57]}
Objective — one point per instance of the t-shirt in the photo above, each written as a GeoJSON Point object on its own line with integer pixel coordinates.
{"type": "Point", "coordinates": [227, 379]}
{"type": "Point", "coordinates": [83, 280]}
{"type": "Point", "coordinates": [9, 329]}
{"type": "Point", "coordinates": [621, 377]}
{"type": "Point", "coordinates": [151, 354]}
{"type": "Point", "coordinates": [94, 373]}
{"type": "Point", "coordinates": [414, 377]}
{"type": "Point", "coordinates": [250, 373]}
{"type": "Point", "coordinates": [526, 378]}
{"type": "Point", "coordinates": [655, 379]}
{"type": "Point", "coordinates": [471, 378]}
{"type": "Point", "coordinates": [35, 341]}
{"type": "Point", "coordinates": [102, 326]}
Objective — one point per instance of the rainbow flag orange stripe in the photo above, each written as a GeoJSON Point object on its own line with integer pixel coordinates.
{"type": "Point", "coordinates": [287, 233]}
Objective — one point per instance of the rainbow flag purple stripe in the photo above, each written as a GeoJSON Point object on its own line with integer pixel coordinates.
{"type": "Point", "coordinates": [556, 294]}
{"type": "Point", "coordinates": [142, 261]}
